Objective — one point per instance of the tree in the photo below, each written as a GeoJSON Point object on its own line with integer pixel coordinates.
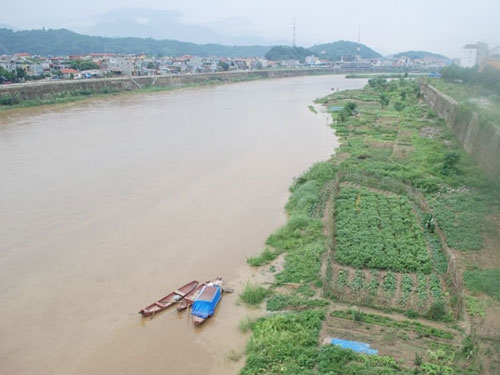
{"type": "Point", "coordinates": [5, 75]}
{"type": "Point", "coordinates": [20, 73]}
{"type": "Point", "coordinates": [84, 65]}
{"type": "Point", "coordinates": [378, 84]}
{"type": "Point", "coordinates": [383, 100]}
{"type": "Point", "coordinates": [350, 109]}
{"type": "Point", "coordinates": [224, 66]}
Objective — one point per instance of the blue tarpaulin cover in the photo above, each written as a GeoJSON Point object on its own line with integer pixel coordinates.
{"type": "Point", "coordinates": [359, 347]}
{"type": "Point", "coordinates": [336, 109]}
{"type": "Point", "coordinates": [205, 304]}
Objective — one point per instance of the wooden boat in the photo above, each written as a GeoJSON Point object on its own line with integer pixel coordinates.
{"type": "Point", "coordinates": [188, 301]}
{"type": "Point", "coordinates": [205, 304]}
{"type": "Point", "coordinates": [170, 299]}
{"type": "Point", "coordinates": [190, 298]}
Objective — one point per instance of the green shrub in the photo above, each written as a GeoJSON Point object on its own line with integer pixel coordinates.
{"type": "Point", "coordinates": [253, 294]}
{"type": "Point", "coordinates": [437, 311]}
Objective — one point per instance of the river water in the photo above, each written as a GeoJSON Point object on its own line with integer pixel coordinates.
{"type": "Point", "coordinates": [109, 204]}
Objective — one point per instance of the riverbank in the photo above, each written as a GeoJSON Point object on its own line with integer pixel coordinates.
{"type": "Point", "coordinates": [51, 92]}
{"type": "Point", "coordinates": [395, 222]}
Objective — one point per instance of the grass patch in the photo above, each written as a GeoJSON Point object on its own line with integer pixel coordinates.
{"type": "Point", "coordinates": [461, 216]}
{"type": "Point", "coordinates": [303, 264]}
{"type": "Point", "coordinates": [253, 294]}
{"type": "Point", "coordinates": [285, 343]}
{"type": "Point", "coordinates": [293, 302]}
{"type": "Point", "coordinates": [484, 281]}
{"type": "Point", "coordinates": [298, 231]}
{"type": "Point", "coordinates": [265, 257]}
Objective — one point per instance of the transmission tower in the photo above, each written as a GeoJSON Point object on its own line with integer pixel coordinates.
{"type": "Point", "coordinates": [358, 49]}
{"type": "Point", "coordinates": [294, 44]}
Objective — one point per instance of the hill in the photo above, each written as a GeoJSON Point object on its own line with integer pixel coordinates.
{"type": "Point", "coordinates": [343, 50]}
{"type": "Point", "coordinates": [286, 52]}
{"type": "Point", "coordinates": [420, 55]}
{"type": "Point", "coordinates": [65, 42]}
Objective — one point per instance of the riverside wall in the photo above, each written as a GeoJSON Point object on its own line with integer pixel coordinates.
{"type": "Point", "coordinates": [480, 140]}
{"type": "Point", "coordinates": [41, 90]}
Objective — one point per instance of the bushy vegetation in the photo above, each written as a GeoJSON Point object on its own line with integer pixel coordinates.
{"type": "Point", "coordinates": [284, 343]}
{"type": "Point", "coordinates": [253, 294]}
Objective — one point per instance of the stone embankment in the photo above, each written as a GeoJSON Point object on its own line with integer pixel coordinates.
{"type": "Point", "coordinates": [481, 141]}
{"type": "Point", "coordinates": [49, 89]}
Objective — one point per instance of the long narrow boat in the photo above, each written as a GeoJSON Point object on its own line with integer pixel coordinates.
{"type": "Point", "coordinates": [170, 299]}
{"type": "Point", "coordinates": [205, 304]}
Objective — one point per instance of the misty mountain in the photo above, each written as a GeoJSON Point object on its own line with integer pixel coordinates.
{"type": "Point", "coordinates": [161, 25]}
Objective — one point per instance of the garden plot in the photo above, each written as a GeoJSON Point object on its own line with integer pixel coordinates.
{"type": "Point", "coordinates": [380, 231]}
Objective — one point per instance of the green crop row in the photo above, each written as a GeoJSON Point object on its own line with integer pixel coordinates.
{"type": "Point", "coordinates": [380, 231]}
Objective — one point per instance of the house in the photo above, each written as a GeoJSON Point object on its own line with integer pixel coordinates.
{"type": "Point", "coordinates": [69, 73]}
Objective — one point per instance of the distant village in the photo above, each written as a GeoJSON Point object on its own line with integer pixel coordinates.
{"type": "Point", "coordinates": [98, 65]}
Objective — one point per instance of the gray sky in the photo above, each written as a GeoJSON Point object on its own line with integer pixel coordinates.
{"type": "Point", "coordinates": [387, 26]}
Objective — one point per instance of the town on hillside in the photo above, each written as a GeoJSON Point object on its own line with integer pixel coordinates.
{"type": "Point", "coordinates": [23, 67]}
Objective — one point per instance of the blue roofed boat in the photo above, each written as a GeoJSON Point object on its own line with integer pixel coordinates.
{"type": "Point", "coordinates": [205, 304]}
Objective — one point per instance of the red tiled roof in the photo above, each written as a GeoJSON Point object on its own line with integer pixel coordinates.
{"type": "Point", "coordinates": [69, 71]}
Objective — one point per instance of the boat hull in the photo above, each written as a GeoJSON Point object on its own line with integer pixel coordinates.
{"type": "Point", "coordinates": [170, 299]}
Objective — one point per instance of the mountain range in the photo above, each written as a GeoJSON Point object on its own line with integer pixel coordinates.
{"type": "Point", "coordinates": [159, 33]}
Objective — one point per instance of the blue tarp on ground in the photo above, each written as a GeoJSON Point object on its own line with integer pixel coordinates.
{"type": "Point", "coordinates": [359, 347]}
{"type": "Point", "coordinates": [206, 307]}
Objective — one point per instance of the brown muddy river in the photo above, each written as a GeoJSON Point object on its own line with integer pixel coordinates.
{"type": "Point", "coordinates": [108, 205]}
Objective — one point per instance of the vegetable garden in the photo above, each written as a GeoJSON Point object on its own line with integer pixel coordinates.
{"type": "Point", "coordinates": [374, 227]}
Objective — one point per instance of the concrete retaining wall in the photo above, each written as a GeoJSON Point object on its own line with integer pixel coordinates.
{"type": "Point", "coordinates": [51, 89]}
{"type": "Point", "coordinates": [481, 141]}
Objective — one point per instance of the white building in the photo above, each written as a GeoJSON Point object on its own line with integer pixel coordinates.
{"type": "Point", "coordinates": [474, 54]}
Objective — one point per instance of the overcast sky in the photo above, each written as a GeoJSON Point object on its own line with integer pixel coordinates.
{"type": "Point", "coordinates": [387, 26]}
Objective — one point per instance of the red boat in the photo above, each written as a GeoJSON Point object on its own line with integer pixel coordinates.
{"type": "Point", "coordinates": [170, 299]}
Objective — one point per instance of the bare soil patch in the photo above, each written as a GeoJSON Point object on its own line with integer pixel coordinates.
{"type": "Point", "coordinates": [389, 341]}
